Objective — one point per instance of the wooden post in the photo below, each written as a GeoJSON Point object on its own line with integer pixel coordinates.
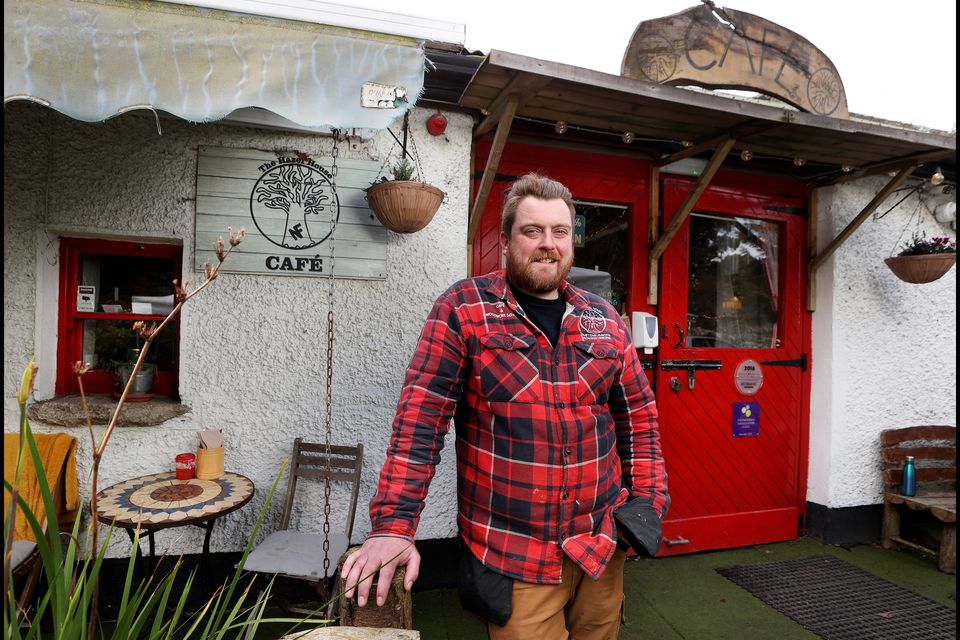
{"type": "Point", "coordinates": [489, 171]}
{"type": "Point", "coordinates": [719, 155]}
{"type": "Point", "coordinates": [653, 269]}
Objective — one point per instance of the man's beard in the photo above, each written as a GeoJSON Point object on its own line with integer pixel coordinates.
{"type": "Point", "coordinates": [523, 274]}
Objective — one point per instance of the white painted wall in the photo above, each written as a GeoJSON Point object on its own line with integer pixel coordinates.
{"type": "Point", "coordinates": [252, 348]}
{"type": "Point", "coordinates": [884, 351]}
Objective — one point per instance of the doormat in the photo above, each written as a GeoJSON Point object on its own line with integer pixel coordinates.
{"type": "Point", "coordinates": [839, 601]}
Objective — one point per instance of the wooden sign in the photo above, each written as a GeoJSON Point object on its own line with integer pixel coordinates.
{"type": "Point", "coordinates": [694, 47]}
{"type": "Point", "coordinates": [301, 220]}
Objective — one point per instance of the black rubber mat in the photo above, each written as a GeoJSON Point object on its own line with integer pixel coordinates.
{"type": "Point", "coordinates": [839, 601]}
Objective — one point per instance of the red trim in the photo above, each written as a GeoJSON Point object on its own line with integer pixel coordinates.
{"type": "Point", "coordinates": [70, 321]}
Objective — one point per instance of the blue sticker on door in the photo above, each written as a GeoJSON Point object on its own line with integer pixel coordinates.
{"type": "Point", "coordinates": [746, 419]}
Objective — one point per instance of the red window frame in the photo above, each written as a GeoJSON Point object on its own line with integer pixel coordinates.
{"type": "Point", "coordinates": [70, 321]}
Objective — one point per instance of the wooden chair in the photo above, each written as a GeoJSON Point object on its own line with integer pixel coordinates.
{"type": "Point", "coordinates": [934, 450]}
{"type": "Point", "coordinates": [300, 555]}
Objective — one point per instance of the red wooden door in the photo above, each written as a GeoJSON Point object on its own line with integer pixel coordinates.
{"type": "Point", "coordinates": [731, 379]}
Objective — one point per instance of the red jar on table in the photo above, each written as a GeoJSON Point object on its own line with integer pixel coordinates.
{"type": "Point", "coordinates": [186, 466]}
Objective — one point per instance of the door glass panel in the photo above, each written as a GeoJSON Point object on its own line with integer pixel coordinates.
{"type": "Point", "coordinates": [600, 240]}
{"type": "Point", "coordinates": [733, 287]}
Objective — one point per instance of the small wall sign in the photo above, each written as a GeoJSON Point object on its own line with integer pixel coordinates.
{"type": "Point", "coordinates": [746, 419]}
{"type": "Point", "coordinates": [748, 377]}
{"type": "Point", "coordinates": [579, 230]}
{"type": "Point", "coordinates": [86, 298]}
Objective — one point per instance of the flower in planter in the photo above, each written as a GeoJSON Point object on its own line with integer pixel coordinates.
{"type": "Point", "coordinates": [920, 246]}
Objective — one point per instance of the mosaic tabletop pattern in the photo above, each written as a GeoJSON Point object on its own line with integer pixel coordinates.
{"type": "Point", "coordinates": [160, 500]}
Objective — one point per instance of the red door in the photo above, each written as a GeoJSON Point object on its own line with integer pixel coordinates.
{"type": "Point", "coordinates": [732, 378]}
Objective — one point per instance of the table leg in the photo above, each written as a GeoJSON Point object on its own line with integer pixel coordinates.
{"type": "Point", "coordinates": [140, 559]}
{"type": "Point", "coordinates": [205, 567]}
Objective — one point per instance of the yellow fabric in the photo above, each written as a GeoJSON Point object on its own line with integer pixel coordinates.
{"type": "Point", "coordinates": [55, 450]}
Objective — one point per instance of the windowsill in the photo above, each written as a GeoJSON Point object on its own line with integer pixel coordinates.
{"type": "Point", "coordinates": [67, 411]}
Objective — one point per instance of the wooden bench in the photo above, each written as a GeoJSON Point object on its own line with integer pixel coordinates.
{"type": "Point", "coordinates": [934, 450]}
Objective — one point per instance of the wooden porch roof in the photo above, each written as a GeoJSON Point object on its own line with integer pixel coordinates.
{"type": "Point", "coordinates": [551, 91]}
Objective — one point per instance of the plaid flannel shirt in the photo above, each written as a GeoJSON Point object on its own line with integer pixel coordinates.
{"type": "Point", "coordinates": [549, 440]}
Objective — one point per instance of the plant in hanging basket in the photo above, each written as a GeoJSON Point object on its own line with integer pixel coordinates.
{"type": "Point", "coordinates": [923, 260]}
{"type": "Point", "coordinates": [402, 204]}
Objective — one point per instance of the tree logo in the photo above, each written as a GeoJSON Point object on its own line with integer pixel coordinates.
{"type": "Point", "coordinates": [294, 203]}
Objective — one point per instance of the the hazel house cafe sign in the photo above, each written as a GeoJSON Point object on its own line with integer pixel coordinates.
{"type": "Point", "coordinates": [742, 51]}
{"type": "Point", "coordinates": [295, 211]}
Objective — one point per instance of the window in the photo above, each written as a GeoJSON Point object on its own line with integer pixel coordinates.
{"type": "Point", "coordinates": [733, 282]}
{"type": "Point", "coordinates": [105, 287]}
{"type": "Point", "coordinates": [601, 255]}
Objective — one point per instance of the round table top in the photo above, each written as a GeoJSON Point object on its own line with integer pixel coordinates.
{"type": "Point", "coordinates": [160, 500]}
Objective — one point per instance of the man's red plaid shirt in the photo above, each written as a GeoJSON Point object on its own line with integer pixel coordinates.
{"type": "Point", "coordinates": [549, 440]}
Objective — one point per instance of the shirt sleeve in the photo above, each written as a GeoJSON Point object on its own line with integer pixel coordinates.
{"type": "Point", "coordinates": [432, 387]}
{"type": "Point", "coordinates": [634, 411]}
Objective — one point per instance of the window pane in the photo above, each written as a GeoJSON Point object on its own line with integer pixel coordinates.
{"type": "Point", "coordinates": [733, 283]}
{"type": "Point", "coordinates": [119, 278]}
{"type": "Point", "coordinates": [600, 251]}
{"type": "Point", "coordinates": [109, 343]}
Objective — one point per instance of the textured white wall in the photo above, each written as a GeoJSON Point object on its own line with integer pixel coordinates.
{"type": "Point", "coordinates": [252, 348]}
{"type": "Point", "coordinates": [884, 351]}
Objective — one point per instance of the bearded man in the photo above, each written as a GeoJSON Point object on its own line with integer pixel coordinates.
{"type": "Point", "coordinates": [556, 431]}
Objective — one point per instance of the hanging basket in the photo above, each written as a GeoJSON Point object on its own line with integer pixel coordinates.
{"type": "Point", "coordinates": [923, 268]}
{"type": "Point", "coordinates": [404, 206]}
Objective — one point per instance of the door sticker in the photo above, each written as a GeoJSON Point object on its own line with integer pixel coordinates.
{"type": "Point", "coordinates": [748, 377]}
{"type": "Point", "coordinates": [746, 419]}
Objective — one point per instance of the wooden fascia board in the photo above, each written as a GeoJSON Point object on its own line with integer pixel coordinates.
{"type": "Point", "coordinates": [713, 165]}
{"type": "Point", "coordinates": [490, 170]}
{"type": "Point", "coordinates": [817, 261]}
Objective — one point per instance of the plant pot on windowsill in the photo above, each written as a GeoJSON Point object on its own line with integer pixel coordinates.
{"type": "Point", "coordinates": [142, 388]}
{"type": "Point", "coordinates": [922, 268]}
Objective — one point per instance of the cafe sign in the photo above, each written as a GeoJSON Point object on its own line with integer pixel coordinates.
{"type": "Point", "coordinates": [302, 219]}
{"type": "Point", "coordinates": [735, 50]}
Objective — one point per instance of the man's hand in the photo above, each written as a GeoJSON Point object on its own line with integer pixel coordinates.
{"type": "Point", "coordinates": [383, 554]}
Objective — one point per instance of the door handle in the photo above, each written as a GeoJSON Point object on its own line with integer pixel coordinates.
{"type": "Point", "coordinates": [674, 541]}
{"type": "Point", "coordinates": [676, 325]}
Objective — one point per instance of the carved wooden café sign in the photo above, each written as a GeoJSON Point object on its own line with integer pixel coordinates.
{"type": "Point", "coordinates": [741, 51]}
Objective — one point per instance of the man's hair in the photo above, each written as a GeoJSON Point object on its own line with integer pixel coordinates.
{"type": "Point", "coordinates": [534, 185]}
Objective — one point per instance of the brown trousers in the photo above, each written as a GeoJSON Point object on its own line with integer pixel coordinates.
{"type": "Point", "coordinates": [576, 609]}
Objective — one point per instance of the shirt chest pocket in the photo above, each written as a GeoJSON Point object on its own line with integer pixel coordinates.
{"type": "Point", "coordinates": [508, 368]}
{"type": "Point", "coordinates": [597, 365]}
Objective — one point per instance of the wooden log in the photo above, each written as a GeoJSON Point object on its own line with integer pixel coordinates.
{"type": "Point", "coordinates": [355, 633]}
{"type": "Point", "coordinates": [396, 612]}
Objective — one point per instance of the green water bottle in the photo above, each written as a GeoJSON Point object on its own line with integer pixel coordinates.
{"type": "Point", "coordinates": [908, 485]}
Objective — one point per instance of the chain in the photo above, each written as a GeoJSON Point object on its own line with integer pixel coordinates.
{"type": "Point", "coordinates": [329, 405]}
{"type": "Point", "coordinates": [416, 157]}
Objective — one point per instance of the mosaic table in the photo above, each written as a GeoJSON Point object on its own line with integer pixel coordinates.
{"type": "Point", "coordinates": [160, 501]}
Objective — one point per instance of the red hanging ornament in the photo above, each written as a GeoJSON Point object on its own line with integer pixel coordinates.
{"type": "Point", "coordinates": [436, 124]}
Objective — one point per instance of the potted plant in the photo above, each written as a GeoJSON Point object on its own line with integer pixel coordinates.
{"type": "Point", "coordinates": [402, 203]}
{"type": "Point", "coordinates": [923, 260]}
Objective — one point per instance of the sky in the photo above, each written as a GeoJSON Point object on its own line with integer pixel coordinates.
{"type": "Point", "coordinates": [897, 61]}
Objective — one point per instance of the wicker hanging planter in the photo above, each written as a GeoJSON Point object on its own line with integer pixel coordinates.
{"type": "Point", "coordinates": [920, 269]}
{"type": "Point", "coordinates": [404, 206]}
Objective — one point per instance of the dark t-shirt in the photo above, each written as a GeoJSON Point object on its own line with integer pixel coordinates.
{"type": "Point", "coordinates": [546, 314]}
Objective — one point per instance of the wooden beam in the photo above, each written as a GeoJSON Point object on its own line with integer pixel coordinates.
{"type": "Point", "coordinates": [653, 270]}
{"type": "Point", "coordinates": [820, 258]}
{"type": "Point", "coordinates": [521, 86]}
{"type": "Point", "coordinates": [812, 218]}
{"type": "Point", "coordinates": [741, 131]}
{"type": "Point", "coordinates": [918, 159]}
{"type": "Point", "coordinates": [490, 170]}
{"type": "Point", "coordinates": [719, 155]}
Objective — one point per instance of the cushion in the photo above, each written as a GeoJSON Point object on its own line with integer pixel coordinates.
{"type": "Point", "coordinates": [296, 554]}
